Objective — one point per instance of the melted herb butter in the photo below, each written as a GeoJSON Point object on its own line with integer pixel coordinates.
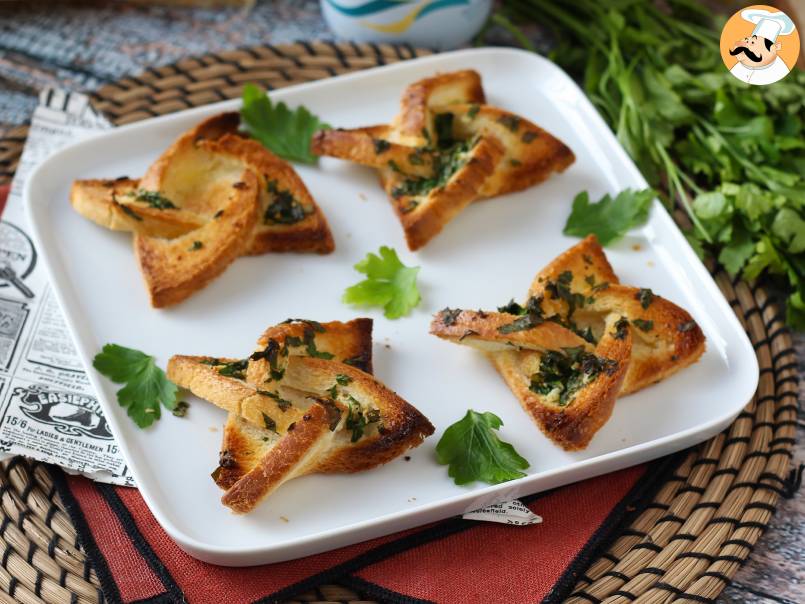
{"type": "Point", "coordinates": [562, 373]}
{"type": "Point", "coordinates": [283, 208]}
{"type": "Point", "coordinates": [445, 165]}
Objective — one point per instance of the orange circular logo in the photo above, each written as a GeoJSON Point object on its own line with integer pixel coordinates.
{"type": "Point", "coordinates": [759, 45]}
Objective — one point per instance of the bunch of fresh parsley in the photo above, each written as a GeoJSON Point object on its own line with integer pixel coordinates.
{"type": "Point", "coordinates": [731, 153]}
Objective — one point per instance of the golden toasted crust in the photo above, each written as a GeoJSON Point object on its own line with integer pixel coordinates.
{"type": "Point", "coordinates": [531, 154]}
{"type": "Point", "coordinates": [584, 260]}
{"type": "Point", "coordinates": [173, 269]}
{"type": "Point", "coordinates": [424, 217]}
{"type": "Point", "coordinates": [571, 426]}
{"type": "Point", "coordinates": [113, 204]}
{"type": "Point", "coordinates": [293, 455]}
{"type": "Point", "coordinates": [311, 234]}
{"type": "Point", "coordinates": [421, 97]}
{"type": "Point", "coordinates": [481, 330]}
{"type": "Point", "coordinates": [665, 336]}
{"type": "Point", "coordinates": [402, 426]}
{"type": "Point", "coordinates": [242, 448]}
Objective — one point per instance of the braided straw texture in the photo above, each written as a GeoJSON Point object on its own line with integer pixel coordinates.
{"type": "Point", "coordinates": [686, 543]}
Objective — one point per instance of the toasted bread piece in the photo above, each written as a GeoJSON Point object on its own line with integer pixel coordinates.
{"type": "Point", "coordinates": [400, 427]}
{"type": "Point", "coordinates": [245, 386]}
{"type": "Point", "coordinates": [531, 154]}
{"type": "Point", "coordinates": [571, 423]}
{"type": "Point", "coordinates": [294, 454]}
{"type": "Point", "coordinates": [423, 216]}
{"type": "Point", "coordinates": [324, 415]}
{"type": "Point", "coordinates": [574, 301]}
{"type": "Point", "coordinates": [482, 330]}
{"type": "Point", "coordinates": [665, 339]}
{"type": "Point", "coordinates": [421, 98]}
{"type": "Point", "coordinates": [173, 269]}
{"type": "Point", "coordinates": [446, 149]}
{"type": "Point", "coordinates": [290, 220]}
{"type": "Point", "coordinates": [118, 205]}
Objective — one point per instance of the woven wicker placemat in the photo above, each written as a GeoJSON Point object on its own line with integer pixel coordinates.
{"type": "Point", "coordinates": [686, 543]}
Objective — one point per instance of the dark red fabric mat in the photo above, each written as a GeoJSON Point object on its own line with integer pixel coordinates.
{"type": "Point", "coordinates": [449, 561]}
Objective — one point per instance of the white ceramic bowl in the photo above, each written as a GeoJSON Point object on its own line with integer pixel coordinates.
{"type": "Point", "coordinates": [436, 24]}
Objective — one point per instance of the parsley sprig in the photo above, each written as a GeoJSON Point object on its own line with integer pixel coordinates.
{"type": "Point", "coordinates": [389, 283]}
{"type": "Point", "coordinates": [609, 218]}
{"type": "Point", "coordinates": [146, 385]}
{"type": "Point", "coordinates": [284, 131]}
{"type": "Point", "coordinates": [473, 451]}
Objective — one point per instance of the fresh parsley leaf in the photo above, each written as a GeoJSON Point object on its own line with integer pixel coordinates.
{"type": "Point", "coordinates": [609, 218]}
{"type": "Point", "coordinates": [389, 284]}
{"type": "Point", "coordinates": [284, 131]}
{"type": "Point", "coordinates": [146, 385]}
{"type": "Point", "coordinates": [474, 452]}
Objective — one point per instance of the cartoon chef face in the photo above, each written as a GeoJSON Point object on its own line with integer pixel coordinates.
{"type": "Point", "coordinates": [755, 51]}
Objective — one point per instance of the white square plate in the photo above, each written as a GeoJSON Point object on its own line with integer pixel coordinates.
{"type": "Point", "coordinates": [486, 256]}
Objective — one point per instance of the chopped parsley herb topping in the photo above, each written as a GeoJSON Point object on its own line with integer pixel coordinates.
{"type": "Point", "coordinates": [443, 124]}
{"type": "Point", "coordinates": [473, 111]}
{"type": "Point", "coordinates": [450, 316]}
{"type": "Point", "coordinates": [333, 411]}
{"type": "Point", "coordinates": [380, 145]}
{"type": "Point", "coordinates": [415, 158]}
{"type": "Point", "coordinates": [180, 410]}
{"type": "Point", "coordinates": [271, 353]}
{"type": "Point", "coordinates": [643, 325]}
{"type": "Point", "coordinates": [528, 136]}
{"type": "Point", "coordinates": [357, 420]}
{"type": "Point", "coordinates": [284, 207]}
{"type": "Point", "coordinates": [646, 297]}
{"type": "Point", "coordinates": [269, 423]}
{"type": "Point", "coordinates": [218, 214]}
{"type": "Point", "coordinates": [197, 245]}
{"type": "Point", "coordinates": [283, 404]}
{"type": "Point", "coordinates": [530, 315]}
{"type": "Point", "coordinates": [127, 210]}
{"type": "Point", "coordinates": [467, 334]}
{"type": "Point", "coordinates": [565, 372]}
{"type": "Point", "coordinates": [560, 289]}
{"type": "Point", "coordinates": [621, 328]}
{"type": "Point", "coordinates": [314, 325]}
{"type": "Point", "coordinates": [361, 361]}
{"type": "Point", "coordinates": [343, 380]}
{"type": "Point", "coordinates": [445, 165]}
{"type": "Point", "coordinates": [590, 279]}
{"type": "Point", "coordinates": [235, 369]}
{"type": "Point", "coordinates": [512, 122]}
{"type": "Point", "coordinates": [155, 199]}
